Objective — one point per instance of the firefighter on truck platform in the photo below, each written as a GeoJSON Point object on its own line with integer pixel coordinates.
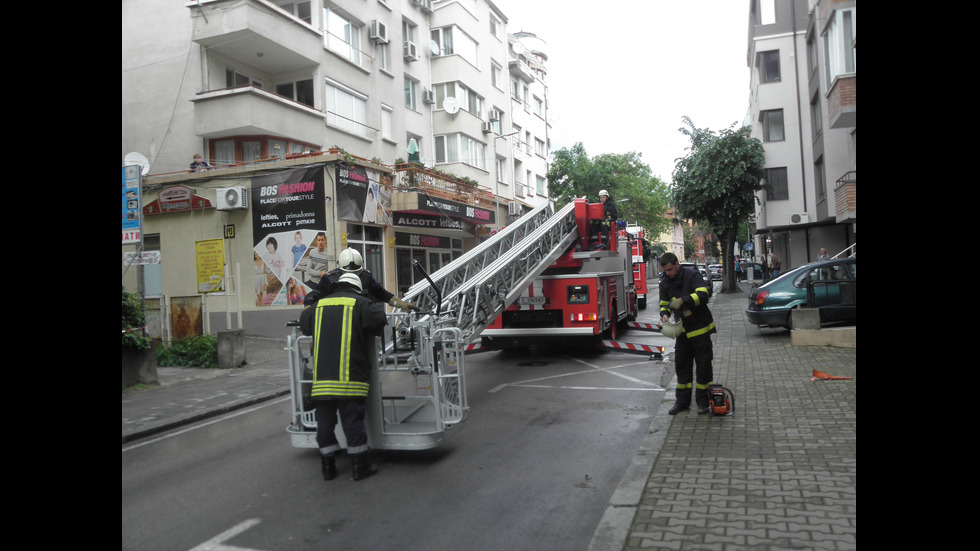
{"type": "Point", "coordinates": [684, 293]}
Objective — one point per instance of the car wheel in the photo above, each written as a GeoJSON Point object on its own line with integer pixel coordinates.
{"type": "Point", "coordinates": [789, 318]}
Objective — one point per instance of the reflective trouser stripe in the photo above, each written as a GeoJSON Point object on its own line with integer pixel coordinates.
{"type": "Point", "coordinates": [701, 331]}
{"type": "Point", "coordinates": [689, 386]}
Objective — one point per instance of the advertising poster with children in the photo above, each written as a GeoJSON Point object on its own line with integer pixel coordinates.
{"type": "Point", "coordinates": [288, 214]}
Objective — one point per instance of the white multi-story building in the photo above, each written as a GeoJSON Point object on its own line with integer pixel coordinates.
{"type": "Point", "coordinates": [442, 110]}
{"type": "Point", "coordinates": [803, 108]}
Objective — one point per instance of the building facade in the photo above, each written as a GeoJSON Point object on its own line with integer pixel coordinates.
{"type": "Point", "coordinates": [424, 121]}
{"type": "Point", "coordinates": [803, 107]}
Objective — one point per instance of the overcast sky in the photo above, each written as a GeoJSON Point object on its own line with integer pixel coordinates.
{"type": "Point", "coordinates": [622, 73]}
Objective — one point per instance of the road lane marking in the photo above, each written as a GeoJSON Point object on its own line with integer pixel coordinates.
{"type": "Point", "coordinates": [206, 423]}
{"type": "Point", "coordinates": [529, 382]}
{"type": "Point", "coordinates": [217, 543]}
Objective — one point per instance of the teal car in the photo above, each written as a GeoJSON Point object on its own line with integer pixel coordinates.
{"type": "Point", "coordinates": [830, 286]}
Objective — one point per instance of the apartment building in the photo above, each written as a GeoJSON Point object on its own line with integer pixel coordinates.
{"type": "Point", "coordinates": [803, 107]}
{"type": "Point", "coordinates": [424, 122]}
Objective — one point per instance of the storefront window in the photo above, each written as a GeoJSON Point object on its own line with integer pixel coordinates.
{"type": "Point", "coordinates": [445, 252]}
{"type": "Point", "coordinates": [369, 241]}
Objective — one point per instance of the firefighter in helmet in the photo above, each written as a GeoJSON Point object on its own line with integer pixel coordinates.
{"type": "Point", "coordinates": [344, 324]}
{"type": "Point", "coordinates": [684, 294]}
{"type": "Point", "coordinates": [349, 261]}
{"type": "Point", "coordinates": [602, 227]}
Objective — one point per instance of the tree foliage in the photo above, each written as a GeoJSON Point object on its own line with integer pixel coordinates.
{"type": "Point", "coordinates": [715, 184]}
{"type": "Point", "coordinates": [642, 198]}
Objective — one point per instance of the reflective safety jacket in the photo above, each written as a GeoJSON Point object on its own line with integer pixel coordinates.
{"type": "Point", "coordinates": [343, 324]}
{"type": "Point", "coordinates": [690, 287]}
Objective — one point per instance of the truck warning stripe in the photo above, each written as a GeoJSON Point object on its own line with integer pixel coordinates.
{"type": "Point", "coordinates": [643, 325]}
{"type": "Point", "coordinates": [632, 347]}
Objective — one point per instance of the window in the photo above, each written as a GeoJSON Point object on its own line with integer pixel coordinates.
{"type": "Point", "coordinates": [769, 66]}
{"type": "Point", "coordinates": [538, 107]}
{"type": "Point", "coordinates": [816, 116]}
{"type": "Point", "coordinates": [411, 93]}
{"type": "Point", "coordinates": [502, 169]}
{"type": "Point", "coordinates": [838, 41]}
{"type": "Point", "coordinates": [251, 148]}
{"type": "Point", "coordinates": [301, 10]}
{"type": "Point", "coordinates": [541, 185]}
{"type": "Point", "coordinates": [515, 90]}
{"type": "Point", "coordinates": [383, 52]}
{"type": "Point", "coordinates": [468, 99]}
{"type": "Point", "coordinates": [300, 91]}
{"type": "Point", "coordinates": [460, 148]}
{"type": "Point", "coordinates": [369, 241]}
{"type": "Point", "coordinates": [251, 151]}
{"type": "Point", "coordinates": [453, 41]}
{"type": "Point", "coordinates": [386, 114]}
{"type": "Point", "coordinates": [539, 149]}
{"type": "Point", "coordinates": [820, 179]}
{"type": "Point", "coordinates": [234, 79]}
{"type": "Point", "coordinates": [772, 125]}
{"type": "Point", "coordinates": [494, 23]}
{"type": "Point", "coordinates": [341, 35]}
{"type": "Point", "coordinates": [346, 109]}
{"type": "Point", "coordinates": [777, 180]}
{"type": "Point", "coordinates": [767, 12]}
{"type": "Point", "coordinates": [495, 73]}
{"type": "Point", "coordinates": [224, 152]}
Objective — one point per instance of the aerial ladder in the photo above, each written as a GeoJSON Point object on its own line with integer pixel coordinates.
{"type": "Point", "coordinates": [417, 395]}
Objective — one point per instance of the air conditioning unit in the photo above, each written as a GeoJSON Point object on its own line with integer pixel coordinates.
{"type": "Point", "coordinates": [487, 127]}
{"type": "Point", "coordinates": [232, 198]}
{"type": "Point", "coordinates": [799, 218]}
{"type": "Point", "coordinates": [514, 208]}
{"type": "Point", "coordinates": [424, 5]}
{"type": "Point", "coordinates": [428, 96]}
{"type": "Point", "coordinates": [410, 52]}
{"type": "Point", "coordinates": [379, 32]}
{"type": "Point", "coordinates": [494, 115]}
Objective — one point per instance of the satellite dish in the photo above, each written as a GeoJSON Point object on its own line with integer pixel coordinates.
{"type": "Point", "coordinates": [451, 105]}
{"type": "Point", "coordinates": [138, 159]}
{"type": "Point", "coordinates": [434, 47]}
{"type": "Point", "coordinates": [518, 48]}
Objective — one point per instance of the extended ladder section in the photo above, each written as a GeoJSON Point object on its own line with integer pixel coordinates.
{"type": "Point", "coordinates": [476, 287]}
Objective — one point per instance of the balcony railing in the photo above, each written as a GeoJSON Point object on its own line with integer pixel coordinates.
{"type": "Point", "coordinates": [442, 185]}
{"type": "Point", "coordinates": [845, 197]}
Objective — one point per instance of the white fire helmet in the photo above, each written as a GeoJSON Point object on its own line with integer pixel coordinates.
{"type": "Point", "coordinates": [350, 260]}
{"type": "Point", "coordinates": [352, 279]}
{"type": "Point", "coordinates": [603, 192]}
{"type": "Point", "coordinates": [671, 328]}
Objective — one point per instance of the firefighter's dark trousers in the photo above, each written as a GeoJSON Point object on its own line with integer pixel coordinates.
{"type": "Point", "coordinates": [688, 353]}
{"type": "Point", "coordinates": [351, 420]}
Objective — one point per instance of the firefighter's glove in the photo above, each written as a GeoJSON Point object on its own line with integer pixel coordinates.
{"type": "Point", "coordinates": [399, 303]}
{"type": "Point", "coordinates": [676, 304]}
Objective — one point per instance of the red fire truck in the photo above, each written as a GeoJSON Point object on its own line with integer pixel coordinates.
{"type": "Point", "coordinates": [588, 292]}
{"type": "Point", "coordinates": [635, 236]}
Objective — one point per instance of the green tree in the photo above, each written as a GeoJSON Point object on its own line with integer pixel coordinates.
{"type": "Point", "coordinates": [641, 198]}
{"type": "Point", "coordinates": [716, 184]}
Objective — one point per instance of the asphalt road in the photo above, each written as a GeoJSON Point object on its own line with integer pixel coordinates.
{"type": "Point", "coordinates": [549, 437]}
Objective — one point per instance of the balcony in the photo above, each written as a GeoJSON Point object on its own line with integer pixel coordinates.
{"type": "Point", "coordinates": [253, 111]}
{"type": "Point", "coordinates": [256, 32]}
{"type": "Point", "coordinates": [845, 198]}
{"type": "Point", "coordinates": [842, 102]}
